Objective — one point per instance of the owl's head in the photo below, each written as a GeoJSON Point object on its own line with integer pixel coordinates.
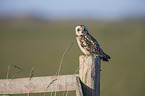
{"type": "Point", "coordinates": [81, 30]}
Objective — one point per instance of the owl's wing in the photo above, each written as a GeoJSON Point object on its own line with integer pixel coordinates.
{"type": "Point", "coordinates": [91, 45]}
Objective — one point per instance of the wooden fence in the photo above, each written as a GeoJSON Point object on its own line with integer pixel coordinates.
{"type": "Point", "coordinates": [86, 83]}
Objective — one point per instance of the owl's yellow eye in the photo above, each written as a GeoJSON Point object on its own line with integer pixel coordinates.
{"type": "Point", "coordinates": [78, 30]}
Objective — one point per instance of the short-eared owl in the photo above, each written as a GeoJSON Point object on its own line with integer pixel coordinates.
{"type": "Point", "coordinates": [89, 44]}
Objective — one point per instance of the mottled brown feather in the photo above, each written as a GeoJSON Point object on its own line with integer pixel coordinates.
{"type": "Point", "coordinates": [90, 44]}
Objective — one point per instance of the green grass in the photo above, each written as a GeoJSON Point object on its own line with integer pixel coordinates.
{"type": "Point", "coordinates": [42, 46]}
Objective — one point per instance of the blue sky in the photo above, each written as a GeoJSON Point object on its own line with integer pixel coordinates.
{"type": "Point", "coordinates": [107, 9]}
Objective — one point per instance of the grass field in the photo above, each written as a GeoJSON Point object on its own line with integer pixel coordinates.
{"type": "Point", "coordinates": [41, 45]}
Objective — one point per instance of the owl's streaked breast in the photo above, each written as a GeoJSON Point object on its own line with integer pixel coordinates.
{"type": "Point", "coordinates": [82, 48]}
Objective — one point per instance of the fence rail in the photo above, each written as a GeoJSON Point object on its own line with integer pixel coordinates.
{"type": "Point", "coordinates": [38, 84]}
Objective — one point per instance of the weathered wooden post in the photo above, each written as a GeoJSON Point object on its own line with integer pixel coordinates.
{"type": "Point", "coordinates": [90, 75]}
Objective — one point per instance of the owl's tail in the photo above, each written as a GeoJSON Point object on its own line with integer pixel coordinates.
{"type": "Point", "coordinates": [105, 57]}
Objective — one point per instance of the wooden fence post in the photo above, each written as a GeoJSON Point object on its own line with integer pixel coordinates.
{"type": "Point", "coordinates": [79, 91]}
{"type": "Point", "coordinates": [90, 75]}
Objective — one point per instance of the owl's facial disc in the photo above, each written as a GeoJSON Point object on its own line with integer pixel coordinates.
{"type": "Point", "coordinates": [80, 30]}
